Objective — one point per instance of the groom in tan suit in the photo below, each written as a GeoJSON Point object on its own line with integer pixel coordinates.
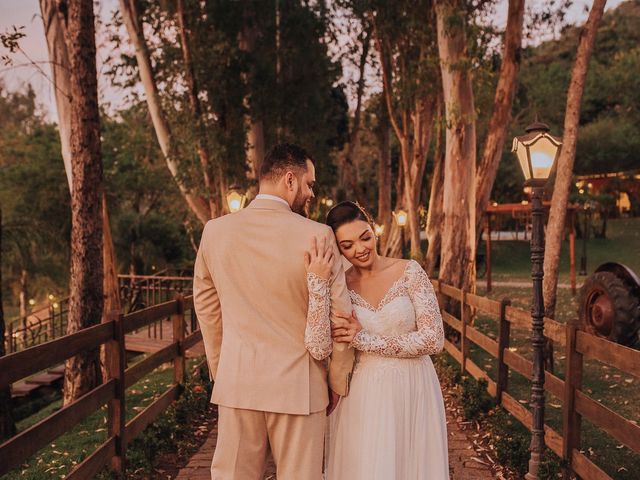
{"type": "Point", "coordinates": [251, 299]}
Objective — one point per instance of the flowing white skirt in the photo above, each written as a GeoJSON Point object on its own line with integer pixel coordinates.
{"type": "Point", "coordinates": [392, 425]}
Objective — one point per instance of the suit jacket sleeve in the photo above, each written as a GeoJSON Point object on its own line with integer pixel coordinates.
{"type": "Point", "coordinates": [207, 306]}
{"type": "Point", "coordinates": [342, 357]}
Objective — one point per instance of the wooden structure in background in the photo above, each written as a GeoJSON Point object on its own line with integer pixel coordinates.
{"type": "Point", "coordinates": [523, 210]}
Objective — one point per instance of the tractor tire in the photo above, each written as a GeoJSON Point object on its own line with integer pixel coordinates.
{"type": "Point", "coordinates": [610, 309]}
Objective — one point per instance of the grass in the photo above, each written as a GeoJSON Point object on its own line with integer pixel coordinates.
{"type": "Point", "coordinates": [511, 259]}
{"type": "Point", "coordinates": [59, 457]}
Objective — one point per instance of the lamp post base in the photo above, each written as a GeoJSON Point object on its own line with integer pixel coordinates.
{"type": "Point", "coordinates": [534, 466]}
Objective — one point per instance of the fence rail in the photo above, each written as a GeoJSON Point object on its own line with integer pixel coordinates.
{"type": "Point", "coordinates": [16, 366]}
{"type": "Point", "coordinates": [577, 404]}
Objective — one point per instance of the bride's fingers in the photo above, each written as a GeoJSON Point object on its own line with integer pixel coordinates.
{"type": "Point", "coordinates": [322, 247]}
{"type": "Point", "coordinates": [343, 339]}
{"type": "Point", "coordinates": [339, 323]}
{"type": "Point", "coordinates": [307, 260]}
{"type": "Point", "coordinates": [328, 257]}
{"type": "Point", "coordinates": [314, 247]}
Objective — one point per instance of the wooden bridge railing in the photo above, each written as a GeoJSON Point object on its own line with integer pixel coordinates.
{"type": "Point", "coordinates": [136, 292]}
{"type": "Point", "coordinates": [21, 364]}
{"type": "Point", "coordinates": [577, 404]}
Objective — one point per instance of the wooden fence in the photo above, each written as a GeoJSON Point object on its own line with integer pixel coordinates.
{"type": "Point", "coordinates": [21, 364]}
{"type": "Point", "coordinates": [577, 404]}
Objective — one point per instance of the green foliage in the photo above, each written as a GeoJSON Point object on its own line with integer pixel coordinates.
{"type": "Point", "coordinates": [171, 431]}
{"type": "Point", "coordinates": [475, 399]}
{"type": "Point", "coordinates": [146, 210]}
{"type": "Point", "coordinates": [299, 101]}
{"type": "Point", "coordinates": [512, 440]}
{"type": "Point", "coordinates": [34, 197]}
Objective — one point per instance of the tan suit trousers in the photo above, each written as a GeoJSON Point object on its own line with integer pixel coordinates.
{"type": "Point", "coordinates": [296, 442]}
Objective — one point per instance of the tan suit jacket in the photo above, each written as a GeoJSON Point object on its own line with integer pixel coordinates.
{"type": "Point", "coordinates": [251, 299]}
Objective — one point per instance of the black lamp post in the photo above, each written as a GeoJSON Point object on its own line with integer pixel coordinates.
{"type": "Point", "coordinates": [537, 152]}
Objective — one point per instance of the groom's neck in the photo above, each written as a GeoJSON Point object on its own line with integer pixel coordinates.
{"type": "Point", "coordinates": [270, 189]}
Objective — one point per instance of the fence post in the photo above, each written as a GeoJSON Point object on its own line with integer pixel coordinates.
{"type": "Point", "coordinates": [178, 336]}
{"type": "Point", "coordinates": [464, 348]}
{"type": "Point", "coordinates": [571, 419]}
{"type": "Point", "coordinates": [504, 330]}
{"type": "Point", "coordinates": [115, 363]}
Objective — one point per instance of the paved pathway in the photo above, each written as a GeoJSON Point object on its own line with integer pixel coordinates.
{"type": "Point", "coordinates": [465, 462]}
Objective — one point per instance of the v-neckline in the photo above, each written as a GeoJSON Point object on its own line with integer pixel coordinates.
{"type": "Point", "coordinates": [383, 301]}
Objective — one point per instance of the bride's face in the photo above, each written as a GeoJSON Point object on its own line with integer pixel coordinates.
{"type": "Point", "coordinates": [357, 243]}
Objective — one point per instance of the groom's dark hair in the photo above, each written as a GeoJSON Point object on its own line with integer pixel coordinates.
{"type": "Point", "coordinates": [281, 158]}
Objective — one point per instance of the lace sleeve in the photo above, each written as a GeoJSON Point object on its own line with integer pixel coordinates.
{"type": "Point", "coordinates": [317, 334]}
{"type": "Point", "coordinates": [428, 339]}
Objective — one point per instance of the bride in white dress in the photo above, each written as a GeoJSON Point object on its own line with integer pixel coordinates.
{"type": "Point", "coordinates": [392, 424]}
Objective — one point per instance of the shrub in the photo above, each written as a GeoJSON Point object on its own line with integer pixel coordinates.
{"type": "Point", "coordinates": [475, 399]}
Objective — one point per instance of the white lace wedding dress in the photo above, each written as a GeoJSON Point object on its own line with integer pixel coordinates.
{"type": "Point", "coordinates": [392, 425]}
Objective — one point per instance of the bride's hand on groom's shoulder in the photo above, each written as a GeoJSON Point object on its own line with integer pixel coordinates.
{"type": "Point", "coordinates": [345, 327]}
{"type": "Point", "coordinates": [319, 258]}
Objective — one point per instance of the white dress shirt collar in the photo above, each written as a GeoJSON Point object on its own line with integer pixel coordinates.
{"type": "Point", "coordinates": [266, 196]}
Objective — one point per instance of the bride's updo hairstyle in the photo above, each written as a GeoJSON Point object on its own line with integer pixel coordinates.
{"type": "Point", "coordinates": [346, 212]}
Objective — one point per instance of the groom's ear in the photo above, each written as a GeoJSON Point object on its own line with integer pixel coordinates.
{"type": "Point", "coordinates": [289, 179]}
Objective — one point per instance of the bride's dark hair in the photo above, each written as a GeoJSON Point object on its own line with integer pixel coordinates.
{"type": "Point", "coordinates": [346, 212]}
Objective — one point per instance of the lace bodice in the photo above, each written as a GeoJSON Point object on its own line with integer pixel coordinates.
{"type": "Point", "coordinates": [406, 324]}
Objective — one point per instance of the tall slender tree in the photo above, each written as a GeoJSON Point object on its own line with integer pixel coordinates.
{"type": "Point", "coordinates": [406, 46]}
{"type": "Point", "coordinates": [130, 11]}
{"type": "Point", "coordinates": [435, 213]}
{"type": "Point", "coordinates": [502, 103]}
{"type": "Point", "coordinates": [196, 110]}
{"type": "Point", "coordinates": [55, 20]}
{"type": "Point", "coordinates": [82, 372]}
{"type": "Point", "coordinates": [457, 264]}
{"type": "Point", "coordinates": [564, 171]}
{"type": "Point", "coordinates": [254, 125]}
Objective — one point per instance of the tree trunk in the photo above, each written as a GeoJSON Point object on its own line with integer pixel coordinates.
{"type": "Point", "coordinates": [7, 424]}
{"type": "Point", "coordinates": [254, 144]}
{"type": "Point", "coordinates": [435, 214]}
{"type": "Point", "coordinates": [457, 265]}
{"type": "Point", "coordinates": [393, 245]}
{"type": "Point", "coordinates": [502, 103]}
{"type": "Point", "coordinates": [55, 30]}
{"type": "Point", "coordinates": [415, 166]}
{"type": "Point", "coordinates": [384, 184]}
{"type": "Point", "coordinates": [564, 171]}
{"type": "Point", "coordinates": [130, 14]}
{"type": "Point", "coordinates": [55, 26]}
{"type": "Point", "coordinates": [196, 111]}
{"type": "Point", "coordinates": [82, 372]}
{"type": "Point", "coordinates": [349, 172]}
{"type": "Point", "coordinates": [413, 144]}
